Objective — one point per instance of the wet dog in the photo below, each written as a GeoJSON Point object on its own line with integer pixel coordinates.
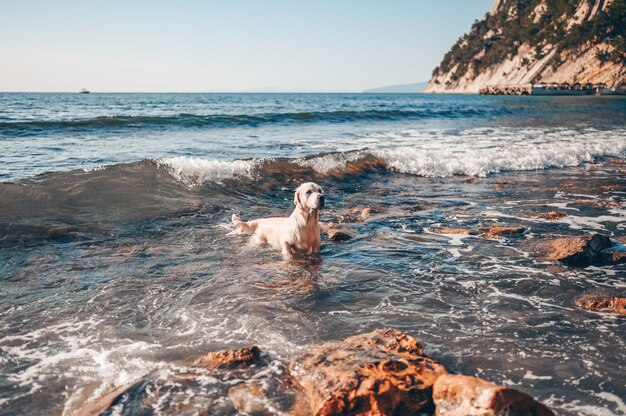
{"type": "Point", "coordinates": [298, 233]}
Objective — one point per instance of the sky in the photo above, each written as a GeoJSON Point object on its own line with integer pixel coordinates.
{"type": "Point", "coordinates": [234, 45]}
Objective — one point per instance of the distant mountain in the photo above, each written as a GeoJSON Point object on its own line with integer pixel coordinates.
{"type": "Point", "coordinates": [523, 42]}
{"type": "Point", "coordinates": [406, 88]}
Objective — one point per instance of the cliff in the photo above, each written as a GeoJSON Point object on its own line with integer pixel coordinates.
{"type": "Point", "coordinates": [534, 41]}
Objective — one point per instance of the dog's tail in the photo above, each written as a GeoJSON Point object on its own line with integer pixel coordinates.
{"type": "Point", "coordinates": [248, 227]}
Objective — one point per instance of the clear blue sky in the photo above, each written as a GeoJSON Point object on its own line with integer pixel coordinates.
{"type": "Point", "coordinates": [228, 45]}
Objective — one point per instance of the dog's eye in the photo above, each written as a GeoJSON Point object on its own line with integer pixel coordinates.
{"type": "Point", "coordinates": [308, 192]}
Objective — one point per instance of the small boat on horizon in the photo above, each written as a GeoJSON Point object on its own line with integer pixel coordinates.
{"type": "Point", "coordinates": [84, 91]}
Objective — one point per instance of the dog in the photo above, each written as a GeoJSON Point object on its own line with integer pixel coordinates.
{"type": "Point", "coordinates": [297, 234]}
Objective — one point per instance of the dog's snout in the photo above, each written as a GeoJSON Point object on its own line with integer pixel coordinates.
{"type": "Point", "coordinates": [322, 201]}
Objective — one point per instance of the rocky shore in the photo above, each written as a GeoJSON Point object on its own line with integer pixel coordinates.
{"type": "Point", "coordinates": [386, 371]}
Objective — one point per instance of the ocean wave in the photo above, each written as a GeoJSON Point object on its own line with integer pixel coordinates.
{"type": "Point", "coordinates": [194, 171]}
{"type": "Point", "coordinates": [186, 120]}
{"type": "Point", "coordinates": [479, 157]}
{"type": "Point", "coordinates": [489, 157]}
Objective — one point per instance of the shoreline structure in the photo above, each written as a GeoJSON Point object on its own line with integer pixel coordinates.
{"type": "Point", "coordinates": [553, 88]}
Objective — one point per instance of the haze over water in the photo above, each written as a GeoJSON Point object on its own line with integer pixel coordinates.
{"type": "Point", "coordinates": [118, 261]}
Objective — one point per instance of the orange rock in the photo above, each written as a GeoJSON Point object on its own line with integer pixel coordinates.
{"type": "Point", "coordinates": [365, 214]}
{"type": "Point", "coordinates": [579, 251]}
{"type": "Point", "coordinates": [602, 303]}
{"type": "Point", "coordinates": [451, 231]}
{"type": "Point", "coordinates": [335, 232]}
{"type": "Point", "coordinates": [552, 215]}
{"type": "Point", "coordinates": [502, 182]}
{"type": "Point", "coordinates": [599, 203]}
{"type": "Point", "coordinates": [384, 372]}
{"type": "Point", "coordinates": [500, 231]}
{"type": "Point", "coordinates": [618, 256]}
{"type": "Point", "coordinates": [360, 214]}
{"type": "Point", "coordinates": [230, 358]}
{"type": "Point", "coordinates": [471, 396]}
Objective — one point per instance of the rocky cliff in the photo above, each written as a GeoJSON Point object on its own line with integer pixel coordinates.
{"type": "Point", "coordinates": [534, 41]}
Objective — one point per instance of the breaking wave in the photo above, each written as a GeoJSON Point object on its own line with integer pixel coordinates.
{"type": "Point", "coordinates": [478, 158]}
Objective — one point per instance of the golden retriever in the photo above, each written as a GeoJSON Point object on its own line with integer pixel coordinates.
{"type": "Point", "coordinates": [298, 233]}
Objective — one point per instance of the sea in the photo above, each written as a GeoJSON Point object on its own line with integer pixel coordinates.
{"type": "Point", "coordinates": [119, 265]}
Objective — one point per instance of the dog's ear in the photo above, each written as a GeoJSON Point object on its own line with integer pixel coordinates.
{"type": "Point", "coordinates": [296, 198]}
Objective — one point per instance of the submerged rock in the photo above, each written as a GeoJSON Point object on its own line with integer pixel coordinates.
{"type": "Point", "coordinates": [579, 251]}
{"type": "Point", "coordinates": [552, 215]}
{"type": "Point", "coordinates": [360, 214]}
{"type": "Point", "coordinates": [452, 231]}
{"type": "Point", "coordinates": [249, 398]}
{"type": "Point", "coordinates": [468, 396]}
{"type": "Point", "coordinates": [336, 232]}
{"type": "Point", "coordinates": [230, 358]}
{"type": "Point", "coordinates": [501, 231]}
{"type": "Point", "coordinates": [383, 372]}
{"type": "Point", "coordinates": [602, 303]}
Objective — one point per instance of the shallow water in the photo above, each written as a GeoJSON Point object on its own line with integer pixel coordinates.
{"type": "Point", "coordinates": [113, 273]}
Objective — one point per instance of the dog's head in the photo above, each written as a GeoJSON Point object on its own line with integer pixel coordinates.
{"type": "Point", "coordinates": [309, 196]}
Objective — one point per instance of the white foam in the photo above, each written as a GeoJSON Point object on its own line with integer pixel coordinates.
{"type": "Point", "coordinates": [433, 153]}
{"type": "Point", "coordinates": [326, 163]}
{"type": "Point", "coordinates": [193, 171]}
{"type": "Point", "coordinates": [470, 154]}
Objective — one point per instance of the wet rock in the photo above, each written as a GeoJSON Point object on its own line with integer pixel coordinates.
{"type": "Point", "coordinates": [360, 214]}
{"type": "Point", "coordinates": [501, 231]}
{"type": "Point", "coordinates": [610, 187]}
{"type": "Point", "coordinates": [230, 358]}
{"type": "Point", "coordinates": [383, 372]}
{"type": "Point", "coordinates": [552, 215]}
{"type": "Point", "coordinates": [579, 251]}
{"type": "Point", "coordinates": [57, 233]}
{"type": "Point", "coordinates": [101, 404]}
{"type": "Point", "coordinates": [602, 303]}
{"type": "Point", "coordinates": [616, 257]}
{"type": "Point", "coordinates": [599, 203]}
{"type": "Point", "coordinates": [502, 182]}
{"type": "Point", "coordinates": [452, 231]}
{"type": "Point", "coordinates": [365, 213]}
{"type": "Point", "coordinates": [250, 398]}
{"type": "Point", "coordinates": [469, 396]}
{"type": "Point", "coordinates": [336, 232]}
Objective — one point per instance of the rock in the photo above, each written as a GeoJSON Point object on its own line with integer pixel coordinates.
{"type": "Point", "coordinates": [359, 214]}
{"type": "Point", "coordinates": [335, 232]}
{"type": "Point", "coordinates": [230, 358]}
{"type": "Point", "coordinates": [617, 257]}
{"type": "Point", "coordinates": [249, 398]}
{"type": "Point", "coordinates": [579, 251]}
{"type": "Point", "coordinates": [500, 231]}
{"type": "Point", "coordinates": [91, 407]}
{"type": "Point", "coordinates": [452, 231]}
{"type": "Point", "coordinates": [57, 233]}
{"type": "Point", "coordinates": [602, 303]}
{"type": "Point", "coordinates": [383, 372]}
{"type": "Point", "coordinates": [599, 203]}
{"type": "Point", "coordinates": [552, 215]}
{"type": "Point", "coordinates": [502, 182]}
{"type": "Point", "coordinates": [467, 396]}
{"type": "Point", "coordinates": [365, 213]}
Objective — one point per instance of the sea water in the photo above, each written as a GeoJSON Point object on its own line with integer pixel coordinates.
{"type": "Point", "coordinates": [118, 263]}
